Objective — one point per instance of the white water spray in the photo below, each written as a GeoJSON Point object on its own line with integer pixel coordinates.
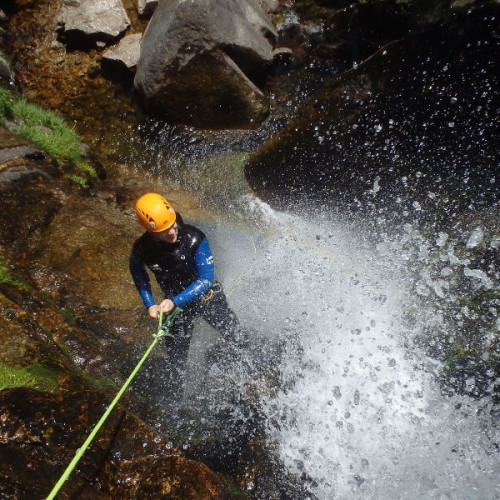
{"type": "Point", "coordinates": [359, 413]}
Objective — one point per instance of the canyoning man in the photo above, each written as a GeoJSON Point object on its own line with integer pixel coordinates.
{"type": "Point", "coordinates": [179, 257]}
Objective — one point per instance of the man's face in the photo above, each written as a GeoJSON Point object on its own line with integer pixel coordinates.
{"type": "Point", "coordinates": [168, 235]}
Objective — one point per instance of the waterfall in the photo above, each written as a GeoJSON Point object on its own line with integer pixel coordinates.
{"type": "Point", "coordinates": [360, 412]}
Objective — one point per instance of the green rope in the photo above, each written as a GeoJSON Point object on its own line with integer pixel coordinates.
{"type": "Point", "coordinates": [163, 329]}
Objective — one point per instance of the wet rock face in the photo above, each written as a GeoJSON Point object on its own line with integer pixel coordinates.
{"type": "Point", "coordinates": [412, 124]}
{"type": "Point", "coordinates": [195, 58]}
{"type": "Point", "coordinates": [80, 247]}
{"type": "Point", "coordinates": [41, 433]}
{"type": "Point", "coordinates": [77, 346]}
{"type": "Point", "coordinates": [177, 477]}
{"type": "Point", "coordinates": [29, 194]}
{"type": "Point", "coordinates": [12, 148]}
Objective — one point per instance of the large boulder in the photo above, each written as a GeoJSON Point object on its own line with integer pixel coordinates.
{"type": "Point", "coordinates": [93, 21]}
{"type": "Point", "coordinates": [196, 58]}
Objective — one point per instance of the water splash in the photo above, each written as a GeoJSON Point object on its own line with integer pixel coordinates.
{"type": "Point", "coordinates": [360, 411]}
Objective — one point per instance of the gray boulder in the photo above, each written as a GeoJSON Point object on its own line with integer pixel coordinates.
{"type": "Point", "coordinates": [195, 60]}
{"type": "Point", "coordinates": [126, 53]}
{"type": "Point", "coordinates": [99, 21]}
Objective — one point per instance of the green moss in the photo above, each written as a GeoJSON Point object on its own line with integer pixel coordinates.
{"type": "Point", "coordinates": [103, 384]}
{"type": "Point", "coordinates": [100, 383]}
{"type": "Point", "coordinates": [6, 103]}
{"type": "Point", "coordinates": [85, 167]}
{"type": "Point", "coordinates": [7, 278]}
{"type": "Point", "coordinates": [77, 179]}
{"type": "Point", "coordinates": [35, 376]}
{"type": "Point", "coordinates": [47, 130]}
{"type": "Point", "coordinates": [68, 315]}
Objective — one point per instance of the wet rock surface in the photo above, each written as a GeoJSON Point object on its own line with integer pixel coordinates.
{"type": "Point", "coordinates": [14, 147]}
{"type": "Point", "coordinates": [79, 329]}
{"type": "Point", "coordinates": [42, 431]}
{"type": "Point", "coordinates": [73, 329]}
{"type": "Point", "coordinates": [186, 479]}
{"type": "Point", "coordinates": [400, 105]}
{"type": "Point", "coordinates": [66, 328]}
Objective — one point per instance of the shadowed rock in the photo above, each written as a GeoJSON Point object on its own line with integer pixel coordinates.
{"type": "Point", "coordinates": [177, 477]}
{"type": "Point", "coordinates": [146, 7]}
{"type": "Point", "coordinates": [13, 147]}
{"type": "Point", "coordinates": [195, 59]}
{"type": "Point", "coordinates": [390, 131]}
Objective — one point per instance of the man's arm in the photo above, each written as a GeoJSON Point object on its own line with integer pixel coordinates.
{"type": "Point", "coordinates": [141, 280]}
{"type": "Point", "coordinates": [204, 262]}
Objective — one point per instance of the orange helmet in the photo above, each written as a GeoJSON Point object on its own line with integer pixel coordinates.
{"type": "Point", "coordinates": [154, 212]}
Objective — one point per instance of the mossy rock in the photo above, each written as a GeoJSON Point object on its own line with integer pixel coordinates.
{"type": "Point", "coordinates": [34, 376]}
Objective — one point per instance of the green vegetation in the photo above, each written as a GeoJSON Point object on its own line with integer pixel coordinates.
{"type": "Point", "coordinates": [77, 179]}
{"type": "Point", "coordinates": [47, 130]}
{"type": "Point", "coordinates": [35, 376]}
{"type": "Point", "coordinates": [7, 278]}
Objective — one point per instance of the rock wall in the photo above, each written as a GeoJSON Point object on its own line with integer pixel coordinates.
{"type": "Point", "coordinates": [73, 328]}
{"type": "Point", "coordinates": [412, 119]}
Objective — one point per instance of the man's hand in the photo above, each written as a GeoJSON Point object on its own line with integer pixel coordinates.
{"type": "Point", "coordinates": [167, 306]}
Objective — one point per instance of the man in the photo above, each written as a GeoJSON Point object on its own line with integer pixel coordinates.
{"type": "Point", "coordinates": [180, 259]}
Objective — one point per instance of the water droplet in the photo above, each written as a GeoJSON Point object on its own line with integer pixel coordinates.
{"type": "Point", "coordinates": [356, 397]}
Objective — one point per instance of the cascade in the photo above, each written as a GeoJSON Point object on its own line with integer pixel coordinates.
{"type": "Point", "coordinates": [360, 409]}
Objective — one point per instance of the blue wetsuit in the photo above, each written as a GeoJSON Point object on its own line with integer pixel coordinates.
{"type": "Point", "coordinates": [184, 269]}
{"type": "Point", "coordinates": [185, 272]}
